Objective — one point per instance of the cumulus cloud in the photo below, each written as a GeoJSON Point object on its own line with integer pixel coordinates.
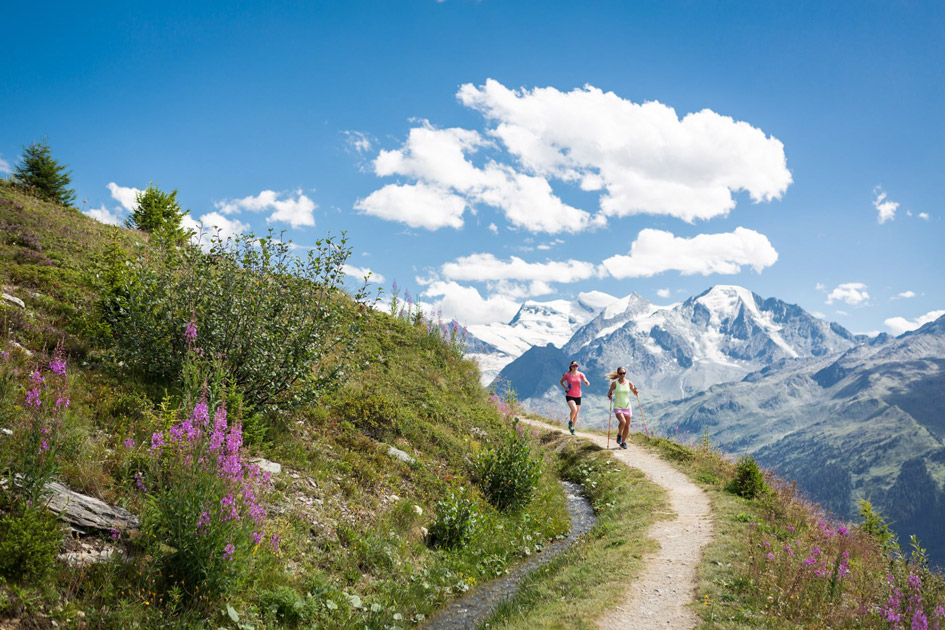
{"type": "Point", "coordinates": [466, 304]}
{"type": "Point", "coordinates": [485, 267]}
{"type": "Point", "coordinates": [358, 142]}
{"type": "Point", "coordinates": [642, 157]}
{"type": "Point", "coordinates": [656, 251]}
{"type": "Point", "coordinates": [885, 208]}
{"type": "Point", "coordinates": [819, 315]}
{"type": "Point", "coordinates": [924, 216]}
{"type": "Point", "coordinates": [493, 228]}
{"type": "Point", "coordinates": [297, 212]}
{"type": "Point", "coordinates": [852, 293]}
{"type": "Point", "coordinates": [5, 167]}
{"type": "Point", "coordinates": [103, 215]}
{"type": "Point", "coordinates": [125, 195]}
{"type": "Point", "coordinates": [437, 159]}
{"type": "Point", "coordinates": [905, 294]}
{"type": "Point", "coordinates": [418, 205]}
{"type": "Point", "coordinates": [899, 325]}
{"type": "Point", "coordinates": [821, 286]}
{"type": "Point", "coordinates": [663, 293]}
{"type": "Point", "coordinates": [361, 272]}
{"type": "Point", "coordinates": [212, 223]}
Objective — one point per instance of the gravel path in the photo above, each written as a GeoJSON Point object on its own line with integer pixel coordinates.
{"type": "Point", "coordinates": [660, 597]}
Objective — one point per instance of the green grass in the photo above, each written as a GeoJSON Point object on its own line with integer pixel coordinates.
{"type": "Point", "coordinates": [573, 589]}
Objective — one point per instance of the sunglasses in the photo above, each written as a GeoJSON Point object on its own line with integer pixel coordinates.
{"type": "Point", "coordinates": [620, 373]}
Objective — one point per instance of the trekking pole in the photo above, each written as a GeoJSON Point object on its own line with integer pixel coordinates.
{"type": "Point", "coordinates": [642, 415]}
{"type": "Point", "coordinates": [609, 419]}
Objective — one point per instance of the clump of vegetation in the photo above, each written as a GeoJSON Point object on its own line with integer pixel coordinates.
{"type": "Point", "coordinates": [43, 175]}
{"type": "Point", "coordinates": [749, 480]}
{"type": "Point", "coordinates": [508, 474]}
{"type": "Point", "coordinates": [282, 325]}
{"type": "Point", "coordinates": [457, 520]}
{"type": "Point", "coordinates": [30, 538]}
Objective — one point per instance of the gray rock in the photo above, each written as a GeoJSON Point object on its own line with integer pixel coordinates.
{"type": "Point", "coordinates": [396, 453]}
{"type": "Point", "coordinates": [265, 465]}
{"type": "Point", "coordinates": [13, 300]}
{"type": "Point", "coordinates": [86, 557]}
{"type": "Point", "coordinates": [85, 511]}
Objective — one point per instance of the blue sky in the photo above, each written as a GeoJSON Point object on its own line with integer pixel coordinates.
{"type": "Point", "coordinates": [483, 153]}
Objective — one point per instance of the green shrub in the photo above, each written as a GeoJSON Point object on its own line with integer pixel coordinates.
{"type": "Point", "coordinates": [283, 324]}
{"type": "Point", "coordinates": [749, 481]}
{"type": "Point", "coordinates": [508, 475]}
{"type": "Point", "coordinates": [158, 212]}
{"type": "Point", "coordinates": [29, 541]}
{"type": "Point", "coordinates": [373, 413]}
{"type": "Point", "coordinates": [286, 606]}
{"type": "Point", "coordinates": [457, 519]}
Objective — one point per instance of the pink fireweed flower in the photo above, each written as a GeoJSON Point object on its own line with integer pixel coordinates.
{"type": "Point", "coordinates": [190, 333]}
{"type": "Point", "coordinates": [228, 551]}
{"type": "Point", "coordinates": [219, 430]}
{"type": "Point", "coordinates": [202, 522]}
{"type": "Point", "coordinates": [62, 403]}
{"type": "Point", "coordinates": [114, 534]}
{"type": "Point", "coordinates": [843, 531]}
{"type": "Point", "coordinates": [37, 378]}
{"type": "Point", "coordinates": [769, 556]}
{"type": "Point", "coordinates": [139, 482]}
{"type": "Point", "coordinates": [257, 538]}
{"type": "Point", "coordinates": [915, 582]}
{"type": "Point", "coordinates": [44, 446]}
{"type": "Point", "coordinates": [33, 399]}
{"type": "Point", "coordinates": [129, 443]}
{"type": "Point", "coordinates": [157, 441]}
{"type": "Point", "coordinates": [201, 414]}
{"type": "Point", "coordinates": [790, 528]}
{"type": "Point", "coordinates": [228, 509]}
{"type": "Point", "coordinates": [58, 366]}
{"type": "Point", "coordinates": [274, 541]}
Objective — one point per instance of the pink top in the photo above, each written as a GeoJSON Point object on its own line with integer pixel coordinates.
{"type": "Point", "coordinates": [574, 384]}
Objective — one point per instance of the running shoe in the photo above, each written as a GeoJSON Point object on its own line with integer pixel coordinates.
{"type": "Point", "coordinates": [623, 445]}
{"type": "Point", "coordinates": [618, 439]}
{"type": "Point", "coordinates": [571, 427]}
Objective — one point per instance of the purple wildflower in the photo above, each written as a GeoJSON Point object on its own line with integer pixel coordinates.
{"type": "Point", "coordinates": [919, 621]}
{"type": "Point", "coordinates": [139, 482]}
{"type": "Point", "coordinates": [274, 541]}
{"type": "Point", "coordinates": [190, 333]}
{"type": "Point", "coordinates": [37, 378]}
{"type": "Point", "coordinates": [157, 440]}
{"type": "Point", "coordinates": [58, 366]}
{"type": "Point", "coordinates": [33, 399]}
{"type": "Point", "coordinates": [44, 446]}
{"type": "Point", "coordinates": [790, 528]}
{"type": "Point", "coordinates": [257, 538]}
{"type": "Point", "coordinates": [769, 556]}
{"type": "Point", "coordinates": [114, 534]}
{"type": "Point", "coordinates": [915, 582]}
{"type": "Point", "coordinates": [228, 551]}
{"type": "Point", "coordinates": [201, 413]}
{"type": "Point", "coordinates": [62, 403]}
{"type": "Point", "coordinates": [130, 443]}
{"type": "Point", "coordinates": [202, 522]}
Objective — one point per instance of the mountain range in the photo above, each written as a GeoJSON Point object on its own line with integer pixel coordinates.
{"type": "Point", "coordinates": [845, 416]}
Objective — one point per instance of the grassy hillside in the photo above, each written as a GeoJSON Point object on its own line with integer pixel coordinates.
{"type": "Point", "coordinates": [349, 516]}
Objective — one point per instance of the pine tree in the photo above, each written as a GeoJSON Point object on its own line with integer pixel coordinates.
{"type": "Point", "coordinates": [45, 176]}
{"type": "Point", "coordinates": [156, 211]}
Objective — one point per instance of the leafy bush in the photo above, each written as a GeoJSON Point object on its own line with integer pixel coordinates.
{"type": "Point", "coordinates": [43, 175]}
{"type": "Point", "coordinates": [507, 474]}
{"type": "Point", "coordinates": [375, 414]}
{"type": "Point", "coordinates": [29, 541]}
{"type": "Point", "coordinates": [457, 519]}
{"type": "Point", "coordinates": [202, 500]}
{"type": "Point", "coordinates": [282, 324]}
{"type": "Point", "coordinates": [749, 481]}
{"type": "Point", "coordinates": [286, 606]}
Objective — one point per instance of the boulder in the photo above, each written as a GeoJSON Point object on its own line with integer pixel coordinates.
{"type": "Point", "coordinates": [13, 300]}
{"type": "Point", "coordinates": [85, 511]}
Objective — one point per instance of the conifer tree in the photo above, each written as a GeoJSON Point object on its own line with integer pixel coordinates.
{"type": "Point", "coordinates": [45, 176]}
{"type": "Point", "coordinates": [156, 211]}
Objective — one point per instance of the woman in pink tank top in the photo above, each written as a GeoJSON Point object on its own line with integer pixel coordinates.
{"type": "Point", "coordinates": [571, 381]}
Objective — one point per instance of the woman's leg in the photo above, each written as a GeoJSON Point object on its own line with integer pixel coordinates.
{"type": "Point", "coordinates": [626, 426]}
{"type": "Point", "coordinates": [573, 406]}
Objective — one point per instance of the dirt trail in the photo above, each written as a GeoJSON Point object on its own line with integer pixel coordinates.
{"type": "Point", "coordinates": [659, 598]}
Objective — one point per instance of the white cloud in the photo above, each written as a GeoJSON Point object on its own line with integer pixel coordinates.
{"type": "Point", "coordinates": [905, 294]}
{"type": "Point", "coordinates": [417, 205]}
{"type": "Point", "coordinates": [361, 272]}
{"type": "Point", "coordinates": [853, 293]}
{"type": "Point", "coordinates": [485, 267]}
{"type": "Point", "coordinates": [437, 159]}
{"type": "Point", "coordinates": [520, 290]}
{"type": "Point", "coordinates": [103, 215]}
{"type": "Point", "coordinates": [924, 216]}
{"type": "Point", "coordinates": [297, 212]}
{"type": "Point", "coordinates": [210, 224]}
{"type": "Point", "coordinates": [5, 167]}
{"type": "Point", "coordinates": [656, 251]}
{"type": "Point", "coordinates": [643, 157]}
{"type": "Point", "coordinates": [821, 286]}
{"type": "Point", "coordinates": [839, 312]}
{"type": "Point", "coordinates": [126, 196]}
{"type": "Point", "coordinates": [899, 325]}
{"type": "Point", "coordinates": [886, 209]}
{"type": "Point", "coordinates": [664, 293]}
{"type": "Point", "coordinates": [493, 228]}
{"type": "Point", "coordinates": [358, 142]}
{"type": "Point", "coordinates": [819, 315]}
{"type": "Point", "coordinates": [466, 304]}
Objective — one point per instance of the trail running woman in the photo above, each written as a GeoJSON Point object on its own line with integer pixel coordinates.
{"type": "Point", "coordinates": [571, 381]}
{"type": "Point", "coordinates": [619, 392]}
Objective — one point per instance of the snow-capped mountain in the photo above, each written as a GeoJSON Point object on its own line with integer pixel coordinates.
{"type": "Point", "coordinates": [674, 351]}
{"type": "Point", "coordinates": [535, 324]}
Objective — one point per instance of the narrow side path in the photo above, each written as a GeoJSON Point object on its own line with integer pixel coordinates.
{"type": "Point", "coordinates": [659, 598]}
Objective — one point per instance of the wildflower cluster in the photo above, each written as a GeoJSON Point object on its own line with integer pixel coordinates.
{"type": "Point", "coordinates": [204, 500]}
{"type": "Point", "coordinates": [452, 333]}
{"type": "Point", "coordinates": [37, 427]}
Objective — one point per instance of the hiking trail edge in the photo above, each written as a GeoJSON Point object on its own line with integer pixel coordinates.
{"type": "Point", "coordinates": [661, 595]}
